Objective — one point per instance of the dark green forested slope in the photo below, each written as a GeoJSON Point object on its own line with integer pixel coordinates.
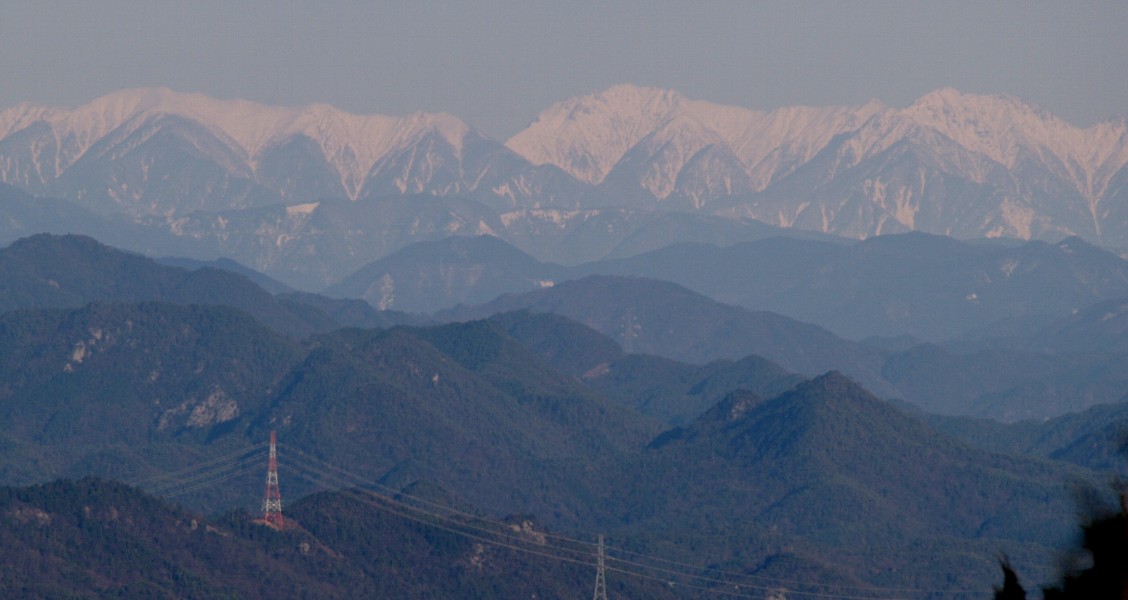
{"type": "Point", "coordinates": [829, 469]}
{"type": "Point", "coordinates": [118, 389]}
{"type": "Point", "coordinates": [98, 539]}
{"type": "Point", "coordinates": [823, 481]}
{"type": "Point", "coordinates": [1096, 438]}
{"type": "Point", "coordinates": [818, 480]}
{"type": "Point", "coordinates": [657, 387]}
{"type": "Point", "coordinates": [463, 405]}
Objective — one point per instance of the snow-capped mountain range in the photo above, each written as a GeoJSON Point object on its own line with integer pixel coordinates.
{"type": "Point", "coordinates": [958, 164]}
{"type": "Point", "coordinates": [155, 151]}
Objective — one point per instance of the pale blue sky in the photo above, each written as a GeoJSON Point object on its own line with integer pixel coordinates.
{"type": "Point", "coordinates": [497, 64]}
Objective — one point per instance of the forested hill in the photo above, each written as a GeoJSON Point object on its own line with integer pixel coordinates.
{"type": "Point", "coordinates": [768, 474]}
{"type": "Point", "coordinates": [92, 538]}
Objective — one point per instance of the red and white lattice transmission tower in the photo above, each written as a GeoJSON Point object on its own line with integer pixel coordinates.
{"type": "Point", "coordinates": [272, 499]}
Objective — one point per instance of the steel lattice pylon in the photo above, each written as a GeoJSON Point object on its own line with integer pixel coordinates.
{"type": "Point", "coordinates": [272, 499]}
{"type": "Point", "coordinates": [600, 575]}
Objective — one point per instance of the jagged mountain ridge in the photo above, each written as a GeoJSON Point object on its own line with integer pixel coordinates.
{"type": "Point", "coordinates": [121, 150]}
{"type": "Point", "coordinates": [352, 143]}
{"type": "Point", "coordinates": [1018, 170]}
{"type": "Point", "coordinates": [958, 164]}
{"type": "Point", "coordinates": [588, 136]}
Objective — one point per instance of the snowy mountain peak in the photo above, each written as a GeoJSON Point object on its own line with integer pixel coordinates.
{"type": "Point", "coordinates": [589, 135]}
{"type": "Point", "coordinates": [351, 143]}
{"type": "Point", "coordinates": [586, 136]}
{"type": "Point", "coordinates": [939, 97]}
{"type": "Point", "coordinates": [951, 162]}
{"type": "Point", "coordinates": [657, 160]}
{"type": "Point", "coordinates": [629, 98]}
{"type": "Point", "coordinates": [452, 129]}
{"type": "Point", "coordinates": [950, 110]}
{"type": "Point", "coordinates": [1008, 129]}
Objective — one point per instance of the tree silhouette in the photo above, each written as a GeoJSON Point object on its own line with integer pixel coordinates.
{"type": "Point", "coordinates": [1104, 548]}
{"type": "Point", "coordinates": [1011, 589]}
{"type": "Point", "coordinates": [1105, 538]}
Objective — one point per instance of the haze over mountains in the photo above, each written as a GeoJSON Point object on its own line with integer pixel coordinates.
{"type": "Point", "coordinates": [266, 185]}
{"type": "Point", "coordinates": [928, 287]}
{"type": "Point", "coordinates": [121, 367]}
{"type": "Point", "coordinates": [719, 332]}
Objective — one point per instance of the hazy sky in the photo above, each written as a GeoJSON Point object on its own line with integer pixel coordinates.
{"type": "Point", "coordinates": [497, 64]}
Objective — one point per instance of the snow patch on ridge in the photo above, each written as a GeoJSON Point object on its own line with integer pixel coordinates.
{"type": "Point", "coordinates": [560, 219]}
{"type": "Point", "coordinates": [302, 209]}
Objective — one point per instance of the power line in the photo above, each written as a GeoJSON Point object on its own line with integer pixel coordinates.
{"type": "Point", "coordinates": [207, 484]}
{"type": "Point", "coordinates": [213, 475]}
{"type": "Point", "coordinates": [328, 476]}
{"type": "Point", "coordinates": [629, 567]}
{"type": "Point", "coordinates": [144, 481]}
{"type": "Point", "coordinates": [351, 479]}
